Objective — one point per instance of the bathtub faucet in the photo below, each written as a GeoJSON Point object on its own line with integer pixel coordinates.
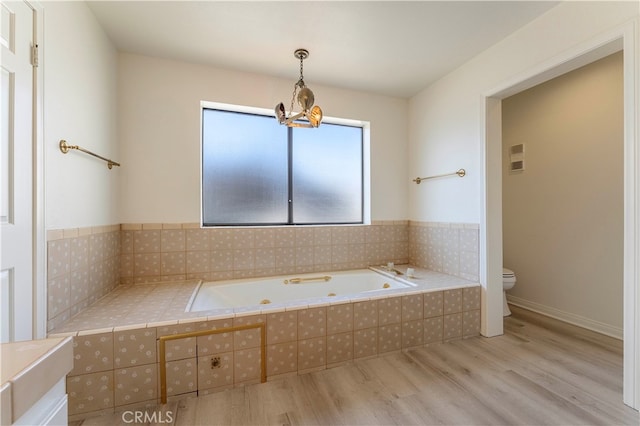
{"type": "Point", "coordinates": [391, 268]}
{"type": "Point", "coordinates": [324, 278]}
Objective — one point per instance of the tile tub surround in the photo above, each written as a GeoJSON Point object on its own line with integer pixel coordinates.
{"type": "Point", "coordinates": [83, 265]}
{"type": "Point", "coordinates": [116, 362]}
{"type": "Point", "coordinates": [171, 252]}
{"type": "Point", "coordinates": [450, 248]}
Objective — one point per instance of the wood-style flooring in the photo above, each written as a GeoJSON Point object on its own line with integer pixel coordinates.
{"type": "Point", "coordinates": [540, 372]}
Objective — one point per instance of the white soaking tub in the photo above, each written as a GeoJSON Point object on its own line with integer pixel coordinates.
{"type": "Point", "coordinates": [287, 288]}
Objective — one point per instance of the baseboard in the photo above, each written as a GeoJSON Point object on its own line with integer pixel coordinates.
{"type": "Point", "coordinates": [567, 317]}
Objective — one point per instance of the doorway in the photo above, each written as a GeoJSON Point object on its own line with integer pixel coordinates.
{"type": "Point", "coordinates": [491, 251]}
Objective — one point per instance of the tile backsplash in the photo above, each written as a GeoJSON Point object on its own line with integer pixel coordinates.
{"type": "Point", "coordinates": [85, 264]}
{"type": "Point", "coordinates": [169, 252]}
{"type": "Point", "coordinates": [82, 266]}
{"type": "Point", "coordinates": [450, 248]}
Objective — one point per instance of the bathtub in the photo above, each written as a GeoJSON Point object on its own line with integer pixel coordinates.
{"type": "Point", "coordinates": [287, 288]}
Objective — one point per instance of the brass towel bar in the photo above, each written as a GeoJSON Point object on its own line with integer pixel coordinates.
{"type": "Point", "coordinates": [460, 173]}
{"type": "Point", "coordinates": [324, 278]}
{"type": "Point", "coordinates": [65, 147]}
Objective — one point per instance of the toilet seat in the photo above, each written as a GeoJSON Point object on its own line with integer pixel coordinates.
{"type": "Point", "coordinates": [507, 273]}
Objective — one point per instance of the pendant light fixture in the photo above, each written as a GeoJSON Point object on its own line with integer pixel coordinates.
{"type": "Point", "coordinates": [312, 114]}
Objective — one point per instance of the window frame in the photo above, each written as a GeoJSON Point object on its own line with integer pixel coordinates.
{"type": "Point", "coordinates": [365, 174]}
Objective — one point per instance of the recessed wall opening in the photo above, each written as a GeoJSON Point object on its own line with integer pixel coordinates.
{"type": "Point", "coordinates": [491, 253]}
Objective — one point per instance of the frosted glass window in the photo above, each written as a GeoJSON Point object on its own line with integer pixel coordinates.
{"type": "Point", "coordinates": [258, 172]}
{"type": "Point", "coordinates": [245, 172]}
{"type": "Point", "coordinates": [327, 174]}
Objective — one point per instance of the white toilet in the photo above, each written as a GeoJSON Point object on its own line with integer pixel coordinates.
{"type": "Point", "coordinates": [508, 281]}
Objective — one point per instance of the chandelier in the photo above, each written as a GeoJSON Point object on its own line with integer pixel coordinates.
{"type": "Point", "coordinates": [312, 114]}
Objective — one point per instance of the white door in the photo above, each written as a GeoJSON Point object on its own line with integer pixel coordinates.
{"type": "Point", "coordinates": [16, 172]}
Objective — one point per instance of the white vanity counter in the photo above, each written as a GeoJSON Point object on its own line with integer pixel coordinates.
{"type": "Point", "coordinates": [32, 374]}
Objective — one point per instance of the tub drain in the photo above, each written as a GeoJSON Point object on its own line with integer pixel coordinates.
{"type": "Point", "coordinates": [331, 294]}
{"type": "Point", "coordinates": [386, 285]}
{"type": "Point", "coordinates": [265, 302]}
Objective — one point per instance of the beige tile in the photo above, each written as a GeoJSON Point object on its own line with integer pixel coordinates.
{"type": "Point", "coordinates": [215, 371]}
{"type": "Point", "coordinates": [126, 265]}
{"type": "Point", "coordinates": [471, 298]}
{"type": "Point", "coordinates": [215, 343]}
{"type": "Point", "coordinates": [412, 333]}
{"type": "Point", "coordinates": [246, 339]}
{"type": "Point", "coordinates": [452, 326]}
{"type": "Point", "coordinates": [246, 365]}
{"type": "Point", "coordinates": [282, 327]}
{"type": "Point", "coordinates": [389, 338]}
{"type": "Point", "coordinates": [221, 239]}
{"type": "Point", "coordinates": [365, 342]}
{"type": "Point", "coordinates": [265, 258]}
{"type": "Point", "coordinates": [339, 347]}
{"type": "Point", "coordinates": [147, 264]}
{"type": "Point", "coordinates": [264, 237]}
{"type": "Point", "coordinates": [126, 242]}
{"type": "Point", "coordinates": [58, 299]}
{"type": "Point", "coordinates": [339, 318]}
{"type": "Point", "coordinates": [182, 376]}
{"type": "Point", "coordinates": [469, 265]}
{"type": "Point", "coordinates": [469, 240]}
{"type": "Point", "coordinates": [282, 358]}
{"type": "Point", "coordinates": [197, 239]}
{"type": "Point", "coordinates": [173, 263]}
{"type": "Point", "coordinates": [78, 253]}
{"type": "Point", "coordinates": [470, 323]}
{"type": "Point", "coordinates": [322, 255]}
{"type": "Point", "coordinates": [357, 234]}
{"type": "Point", "coordinates": [304, 255]}
{"type": "Point", "coordinates": [304, 237]}
{"type": "Point", "coordinates": [340, 235]}
{"type": "Point", "coordinates": [433, 329]}
{"type": "Point", "coordinates": [243, 238]}
{"type": "Point", "coordinates": [90, 392]}
{"type": "Point", "coordinates": [172, 240]}
{"type": "Point", "coordinates": [389, 311]}
{"type": "Point", "coordinates": [322, 236]}
{"type": "Point", "coordinates": [92, 353]}
{"type": "Point", "coordinates": [433, 304]}
{"type": "Point", "coordinates": [365, 314]}
{"type": "Point", "coordinates": [284, 237]}
{"type": "Point", "coordinates": [452, 301]}
{"type": "Point", "coordinates": [57, 258]}
{"type": "Point", "coordinates": [412, 307]}
{"type": "Point", "coordinates": [180, 348]}
{"type": "Point", "coordinates": [136, 384]}
{"type": "Point", "coordinates": [312, 353]}
{"type": "Point", "coordinates": [221, 260]}
{"type": "Point", "coordinates": [147, 241]}
{"type": "Point", "coordinates": [357, 252]}
{"type": "Point", "coordinates": [285, 257]}
{"type": "Point", "coordinates": [312, 323]}
{"type": "Point", "coordinates": [134, 347]}
{"type": "Point", "coordinates": [340, 253]}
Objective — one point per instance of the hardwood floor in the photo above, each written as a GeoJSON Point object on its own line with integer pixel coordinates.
{"type": "Point", "coordinates": [540, 372]}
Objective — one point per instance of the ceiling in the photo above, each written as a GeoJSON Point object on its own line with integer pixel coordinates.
{"type": "Point", "coordinates": [392, 48]}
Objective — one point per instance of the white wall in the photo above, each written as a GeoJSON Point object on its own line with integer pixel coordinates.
{"type": "Point", "coordinates": [80, 71]}
{"type": "Point", "coordinates": [446, 118]}
{"type": "Point", "coordinates": [563, 215]}
{"type": "Point", "coordinates": [159, 133]}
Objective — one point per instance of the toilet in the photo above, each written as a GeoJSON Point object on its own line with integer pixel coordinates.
{"type": "Point", "coordinates": [508, 281]}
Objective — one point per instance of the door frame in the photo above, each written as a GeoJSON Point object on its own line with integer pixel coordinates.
{"type": "Point", "coordinates": [39, 303]}
{"type": "Point", "coordinates": [625, 38]}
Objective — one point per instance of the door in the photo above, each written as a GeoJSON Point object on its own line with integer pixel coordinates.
{"type": "Point", "coordinates": [16, 173]}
